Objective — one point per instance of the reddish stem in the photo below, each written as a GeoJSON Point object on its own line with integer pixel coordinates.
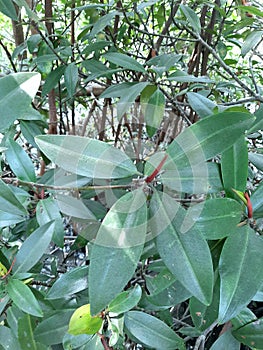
{"type": "Point", "coordinates": [10, 269]}
{"type": "Point", "coordinates": [249, 206]}
{"type": "Point", "coordinates": [151, 177]}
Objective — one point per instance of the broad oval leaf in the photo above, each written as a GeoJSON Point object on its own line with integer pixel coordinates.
{"type": "Point", "coordinates": [19, 87]}
{"type": "Point", "coordinates": [216, 218]}
{"type": "Point", "coordinates": [69, 283]}
{"type": "Point", "coordinates": [240, 280]}
{"type": "Point", "coordinates": [23, 297]}
{"type": "Point", "coordinates": [251, 334]}
{"type": "Point", "coordinates": [125, 301]}
{"type": "Point", "coordinates": [186, 254]}
{"type": "Point", "coordinates": [124, 61]}
{"type": "Point", "coordinates": [81, 322]}
{"type": "Point", "coordinates": [152, 332]}
{"type": "Point", "coordinates": [19, 162]}
{"type": "Point", "coordinates": [87, 157]}
{"type": "Point", "coordinates": [33, 248]}
{"type": "Point", "coordinates": [117, 249]}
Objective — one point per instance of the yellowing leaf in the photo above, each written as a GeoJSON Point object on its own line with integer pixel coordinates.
{"type": "Point", "coordinates": [82, 322]}
{"type": "Point", "coordinates": [3, 270]}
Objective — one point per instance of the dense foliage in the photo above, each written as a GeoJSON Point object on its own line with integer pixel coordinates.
{"type": "Point", "coordinates": [131, 199]}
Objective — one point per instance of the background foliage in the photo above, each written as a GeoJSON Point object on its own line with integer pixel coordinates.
{"type": "Point", "coordinates": [131, 164]}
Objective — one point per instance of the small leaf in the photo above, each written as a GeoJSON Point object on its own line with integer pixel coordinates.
{"type": "Point", "coordinates": [23, 297]}
{"type": "Point", "coordinates": [152, 332]}
{"type": "Point", "coordinates": [124, 61]}
{"type": "Point", "coordinates": [251, 334]}
{"type": "Point", "coordinates": [125, 301]}
{"type": "Point", "coordinates": [239, 279]}
{"type": "Point", "coordinates": [69, 283]}
{"type": "Point", "coordinates": [7, 8]}
{"type": "Point", "coordinates": [73, 153]}
{"type": "Point", "coordinates": [154, 112]}
{"type": "Point", "coordinates": [251, 41]}
{"type": "Point", "coordinates": [19, 162]}
{"type": "Point", "coordinates": [37, 244]}
{"type": "Point", "coordinates": [257, 202]}
{"type": "Point", "coordinates": [82, 322]}
{"type": "Point", "coordinates": [200, 104]}
{"type": "Point", "coordinates": [71, 78]}
{"type": "Point", "coordinates": [117, 249]}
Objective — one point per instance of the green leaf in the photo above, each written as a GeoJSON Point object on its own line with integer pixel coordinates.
{"type": "Point", "coordinates": [251, 41]}
{"type": "Point", "coordinates": [216, 218]}
{"type": "Point", "coordinates": [207, 138]}
{"type": "Point", "coordinates": [7, 8]}
{"type": "Point", "coordinates": [37, 244]}
{"type": "Point", "coordinates": [257, 202]}
{"type": "Point", "coordinates": [182, 248]}
{"type": "Point", "coordinates": [71, 76]}
{"type": "Point", "coordinates": [52, 79]}
{"type": "Point", "coordinates": [25, 333]}
{"type": "Point", "coordinates": [152, 332]}
{"type": "Point", "coordinates": [239, 279]}
{"type": "Point", "coordinates": [226, 341]}
{"type": "Point", "coordinates": [74, 207]}
{"type": "Point", "coordinates": [53, 328]}
{"type": "Point", "coordinates": [252, 10]}
{"type": "Point", "coordinates": [234, 167]}
{"type": "Point", "coordinates": [19, 87]}
{"type": "Point", "coordinates": [258, 123]}
{"type": "Point", "coordinates": [103, 22]}
{"type": "Point", "coordinates": [125, 301]}
{"type": "Point", "coordinates": [117, 249]}
{"type": "Point", "coordinates": [69, 283]}
{"type": "Point", "coordinates": [74, 153]}
{"type": "Point", "coordinates": [19, 162]}
{"type": "Point", "coordinates": [191, 17]}
{"type": "Point", "coordinates": [124, 61]}
{"type": "Point", "coordinates": [81, 322]}
{"type": "Point", "coordinates": [7, 339]}
{"type": "Point", "coordinates": [256, 159]}
{"type": "Point", "coordinates": [244, 317]}
{"type": "Point", "coordinates": [30, 130]}
{"type": "Point", "coordinates": [182, 77]}
{"type": "Point", "coordinates": [11, 210]}
{"type": "Point", "coordinates": [251, 334]}
{"type": "Point", "coordinates": [200, 104]}
{"type": "Point", "coordinates": [154, 112]}
{"type": "Point", "coordinates": [23, 297]}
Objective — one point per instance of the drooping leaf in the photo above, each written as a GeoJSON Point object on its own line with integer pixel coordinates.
{"type": "Point", "coordinates": [251, 334]}
{"type": "Point", "coordinates": [182, 247]}
{"type": "Point", "coordinates": [19, 87]}
{"type": "Point", "coordinates": [216, 218]}
{"type": "Point", "coordinates": [239, 278]}
{"type": "Point", "coordinates": [81, 322]}
{"type": "Point", "coordinates": [117, 249]}
{"type": "Point", "coordinates": [37, 244]}
{"type": "Point", "coordinates": [125, 301]}
{"type": "Point", "coordinates": [200, 104]}
{"type": "Point", "coordinates": [87, 157]}
{"type": "Point", "coordinates": [251, 41]}
{"type": "Point", "coordinates": [154, 112]}
{"type": "Point", "coordinates": [7, 8]}
{"type": "Point", "coordinates": [207, 138]}
{"type": "Point", "coordinates": [19, 162]}
{"type": "Point", "coordinates": [23, 297]}
{"type": "Point", "coordinates": [152, 332]}
{"type": "Point", "coordinates": [234, 166]}
{"type": "Point", "coordinates": [25, 333]}
{"type": "Point", "coordinates": [124, 61]}
{"type": "Point", "coordinates": [69, 283]}
{"type": "Point", "coordinates": [71, 78]}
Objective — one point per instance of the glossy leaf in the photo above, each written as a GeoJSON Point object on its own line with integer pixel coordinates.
{"type": "Point", "coordinates": [23, 297]}
{"type": "Point", "coordinates": [234, 166]}
{"type": "Point", "coordinates": [71, 78]}
{"type": "Point", "coordinates": [251, 334]}
{"type": "Point", "coordinates": [226, 341]}
{"type": "Point", "coordinates": [216, 218]}
{"type": "Point", "coordinates": [53, 328]}
{"type": "Point", "coordinates": [152, 332]}
{"type": "Point", "coordinates": [69, 283]}
{"type": "Point", "coordinates": [117, 249]}
{"type": "Point", "coordinates": [200, 104]}
{"type": "Point", "coordinates": [154, 112]}
{"type": "Point", "coordinates": [8, 339]}
{"type": "Point", "coordinates": [19, 87]}
{"type": "Point", "coordinates": [125, 301]}
{"type": "Point", "coordinates": [191, 17]}
{"type": "Point", "coordinates": [19, 162]}
{"type": "Point", "coordinates": [73, 153]}
{"type": "Point", "coordinates": [7, 8]}
{"type": "Point", "coordinates": [207, 138]}
{"type": "Point", "coordinates": [185, 252]}
{"type": "Point", "coordinates": [239, 279]}
{"type": "Point", "coordinates": [37, 244]}
{"type": "Point", "coordinates": [124, 61]}
{"type": "Point", "coordinates": [81, 322]}
{"type": "Point", "coordinates": [25, 333]}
